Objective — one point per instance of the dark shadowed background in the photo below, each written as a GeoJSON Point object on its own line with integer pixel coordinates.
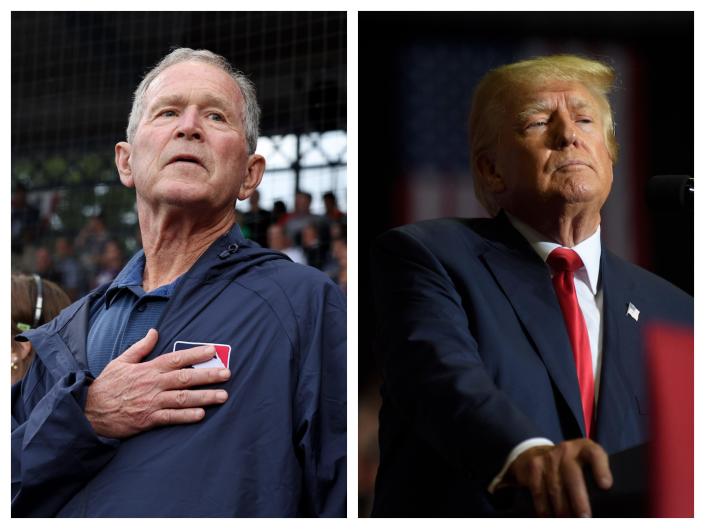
{"type": "Point", "coordinates": [417, 72]}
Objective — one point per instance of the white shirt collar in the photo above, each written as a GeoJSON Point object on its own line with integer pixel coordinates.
{"type": "Point", "coordinates": [589, 250]}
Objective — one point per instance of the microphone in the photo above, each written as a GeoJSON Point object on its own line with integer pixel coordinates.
{"type": "Point", "coordinates": [671, 192]}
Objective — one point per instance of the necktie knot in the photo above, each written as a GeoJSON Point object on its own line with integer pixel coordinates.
{"type": "Point", "coordinates": [564, 260]}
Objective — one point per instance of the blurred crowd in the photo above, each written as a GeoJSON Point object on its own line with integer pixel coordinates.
{"type": "Point", "coordinates": [81, 262]}
{"type": "Point", "coordinates": [315, 240]}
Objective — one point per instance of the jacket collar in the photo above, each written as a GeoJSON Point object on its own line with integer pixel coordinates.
{"type": "Point", "coordinates": [227, 258]}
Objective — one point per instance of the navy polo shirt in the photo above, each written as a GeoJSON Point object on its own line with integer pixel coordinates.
{"type": "Point", "coordinates": [124, 314]}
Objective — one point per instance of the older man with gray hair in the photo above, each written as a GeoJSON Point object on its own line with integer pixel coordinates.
{"type": "Point", "coordinates": [208, 379]}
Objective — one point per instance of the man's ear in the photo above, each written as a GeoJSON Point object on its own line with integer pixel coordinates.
{"type": "Point", "coordinates": [253, 177]}
{"type": "Point", "coordinates": [486, 169]}
{"type": "Point", "coordinates": [123, 150]}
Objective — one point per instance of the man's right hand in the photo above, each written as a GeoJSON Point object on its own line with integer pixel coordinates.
{"type": "Point", "coordinates": [130, 396]}
{"type": "Point", "coordinates": [554, 476]}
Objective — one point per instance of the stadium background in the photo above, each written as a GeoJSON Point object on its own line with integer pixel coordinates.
{"type": "Point", "coordinates": [73, 75]}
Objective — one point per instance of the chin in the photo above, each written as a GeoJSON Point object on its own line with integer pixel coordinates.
{"type": "Point", "coordinates": [184, 196]}
{"type": "Point", "coordinates": [577, 190]}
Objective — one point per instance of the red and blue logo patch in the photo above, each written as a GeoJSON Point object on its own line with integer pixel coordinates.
{"type": "Point", "coordinates": [221, 358]}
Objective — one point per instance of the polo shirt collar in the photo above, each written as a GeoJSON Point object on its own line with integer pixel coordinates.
{"type": "Point", "coordinates": [129, 276]}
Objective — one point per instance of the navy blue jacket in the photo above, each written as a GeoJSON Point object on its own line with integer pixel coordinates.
{"type": "Point", "coordinates": [477, 359]}
{"type": "Point", "coordinates": [276, 448]}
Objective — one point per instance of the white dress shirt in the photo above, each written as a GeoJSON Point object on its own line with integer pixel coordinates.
{"type": "Point", "coordinates": [589, 294]}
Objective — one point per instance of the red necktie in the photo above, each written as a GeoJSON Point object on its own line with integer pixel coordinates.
{"type": "Point", "coordinates": [564, 263]}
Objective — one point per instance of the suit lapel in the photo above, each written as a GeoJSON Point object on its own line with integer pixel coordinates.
{"type": "Point", "coordinates": [526, 282]}
{"type": "Point", "coordinates": [620, 344]}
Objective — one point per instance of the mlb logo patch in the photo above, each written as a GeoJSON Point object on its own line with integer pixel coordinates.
{"type": "Point", "coordinates": [221, 358]}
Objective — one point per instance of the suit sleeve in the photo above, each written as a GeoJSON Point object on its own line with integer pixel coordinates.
{"type": "Point", "coordinates": [54, 448]}
{"type": "Point", "coordinates": [434, 376]}
{"type": "Point", "coordinates": [321, 405]}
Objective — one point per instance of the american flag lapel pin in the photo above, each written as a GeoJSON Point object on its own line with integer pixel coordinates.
{"type": "Point", "coordinates": [633, 311]}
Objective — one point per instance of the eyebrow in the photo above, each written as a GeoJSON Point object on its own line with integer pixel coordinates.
{"type": "Point", "coordinates": [545, 106]}
{"type": "Point", "coordinates": [207, 100]}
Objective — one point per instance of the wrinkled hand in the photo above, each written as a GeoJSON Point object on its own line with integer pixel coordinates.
{"type": "Point", "coordinates": [130, 397]}
{"type": "Point", "coordinates": [554, 476]}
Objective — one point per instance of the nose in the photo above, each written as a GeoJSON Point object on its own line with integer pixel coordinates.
{"type": "Point", "coordinates": [564, 133]}
{"type": "Point", "coordinates": [189, 125]}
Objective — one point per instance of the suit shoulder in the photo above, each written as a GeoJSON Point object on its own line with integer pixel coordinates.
{"type": "Point", "coordinates": [437, 233]}
{"type": "Point", "coordinates": [664, 296]}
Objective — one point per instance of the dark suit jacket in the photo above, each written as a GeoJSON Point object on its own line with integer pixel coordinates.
{"type": "Point", "coordinates": [477, 359]}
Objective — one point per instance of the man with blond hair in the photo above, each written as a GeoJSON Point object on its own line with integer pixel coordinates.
{"type": "Point", "coordinates": [208, 378]}
{"type": "Point", "coordinates": [512, 345]}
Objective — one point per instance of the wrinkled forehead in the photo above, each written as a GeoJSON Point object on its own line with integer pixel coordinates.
{"type": "Point", "coordinates": [197, 81]}
{"type": "Point", "coordinates": [548, 96]}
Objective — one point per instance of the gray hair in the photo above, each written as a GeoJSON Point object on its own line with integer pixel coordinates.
{"type": "Point", "coordinates": [250, 113]}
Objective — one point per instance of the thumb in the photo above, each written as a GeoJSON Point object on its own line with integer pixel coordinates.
{"type": "Point", "coordinates": [140, 349]}
{"type": "Point", "coordinates": [600, 466]}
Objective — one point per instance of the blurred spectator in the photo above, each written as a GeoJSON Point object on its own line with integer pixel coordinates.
{"type": "Point", "coordinates": [295, 221]}
{"type": "Point", "coordinates": [333, 213]}
{"type": "Point", "coordinates": [278, 211]}
{"type": "Point", "coordinates": [25, 220]}
{"type": "Point", "coordinates": [337, 266]}
{"type": "Point", "coordinates": [340, 254]}
{"type": "Point", "coordinates": [90, 242]}
{"type": "Point", "coordinates": [278, 240]}
{"type": "Point", "coordinates": [72, 277]}
{"type": "Point", "coordinates": [44, 265]}
{"type": "Point", "coordinates": [258, 220]}
{"type": "Point", "coordinates": [30, 310]}
{"type": "Point", "coordinates": [244, 228]}
{"type": "Point", "coordinates": [316, 253]}
{"type": "Point", "coordinates": [111, 262]}
{"type": "Point", "coordinates": [338, 231]}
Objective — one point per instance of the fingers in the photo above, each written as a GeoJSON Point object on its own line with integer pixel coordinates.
{"type": "Point", "coordinates": [555, 490]}
{"type": "Point", "coordinates": [555, 479]}
{"type": "Point", "coordinates": [166, 417]}
{"type": "Point", "coordinates": [141, 348]}
{"type": "Point", "coordinates": [598, 459]}
{"type": "Point", "coordinates": [186, 378]}
{"type": "Point", "coordinates": [571, 457]}
{"type": "Point", "coordinates": [575, 489]}
{"type": "Point", "coordinates": [537, 487]}
{"type": "Point", "coordinates": [181, 399]}
{"type": "Point", "coordinates": [184, 358]}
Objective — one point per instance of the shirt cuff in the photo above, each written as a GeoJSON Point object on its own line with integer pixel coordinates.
{"type": "Point", "coordinates": [518, 450]}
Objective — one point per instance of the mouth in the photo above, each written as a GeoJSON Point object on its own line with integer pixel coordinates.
{"type": "Point", "coordinates": [569, 165]}
{"type": "Point", "coordinates": [185, 158]}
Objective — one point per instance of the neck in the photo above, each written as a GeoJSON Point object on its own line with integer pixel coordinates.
{"type": "Point", "coordinates": [173, 242]}
{"type": "Point", "coordinates": [565, 228]}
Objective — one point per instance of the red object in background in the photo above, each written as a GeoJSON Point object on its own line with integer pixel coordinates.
{"type": "Point", "coordinates": [670, 362]}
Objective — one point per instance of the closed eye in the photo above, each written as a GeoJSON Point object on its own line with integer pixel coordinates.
{"type": "Point", "coordinates": [538, 123]}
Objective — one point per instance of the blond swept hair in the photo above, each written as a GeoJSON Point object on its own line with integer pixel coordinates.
{"type": "Point", "coordinates": [495, 89]}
